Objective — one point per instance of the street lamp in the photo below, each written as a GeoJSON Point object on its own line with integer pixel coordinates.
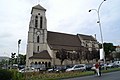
{"type": "Point", "coordinates": [18, 59]}
{"type": "Point", "coordinates": [99, 22]}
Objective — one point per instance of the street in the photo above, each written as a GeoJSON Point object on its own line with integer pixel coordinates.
{"type": "Point", "coordinates": [105, 76]}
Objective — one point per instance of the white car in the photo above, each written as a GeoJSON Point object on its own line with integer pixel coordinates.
{"type": "Point", "coordinates": [27, 70]}
{"type": "Point", "coordinates": [117, 63]}
{"type": "Point", "coordinates": [78, 67]}
{"type": "Point", "coordinates": [112, 65]}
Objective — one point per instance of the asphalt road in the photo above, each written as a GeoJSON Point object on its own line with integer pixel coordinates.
{"type": "Point", "coordinates": [105, 76]}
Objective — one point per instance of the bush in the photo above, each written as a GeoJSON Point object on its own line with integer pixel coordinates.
{"type": "Point", "coordinates": [5, 74]}
{"type": "Point", "coordinates": [11, 75]}
{"type": "Point", "coordinates": [16, 75]}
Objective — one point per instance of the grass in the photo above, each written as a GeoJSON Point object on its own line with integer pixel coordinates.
{"type": "Point", "coordinates": [58, 76]}
{"type": "Point", "coordinates": [111, 70]}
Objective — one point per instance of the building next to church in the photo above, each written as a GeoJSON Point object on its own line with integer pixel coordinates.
{"type": "Point", "coordinates": [55, 48]}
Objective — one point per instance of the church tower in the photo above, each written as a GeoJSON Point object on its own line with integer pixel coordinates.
{"type": "Point", "coordinates": [37, 34]}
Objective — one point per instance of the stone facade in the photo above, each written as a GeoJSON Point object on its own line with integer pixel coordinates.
{"type": "Point", "coordinates": [43, 46]}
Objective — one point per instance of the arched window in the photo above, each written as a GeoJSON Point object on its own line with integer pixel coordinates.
{"type": "Point", "coordinates": [46, 64]}
{"type": "Point", "coordinates": [41, 19]}
{"type": "Point", "coordinates": [38, 39]}
{"type": "Point", "coordinates": [36, 21]}
{"type": "Point", "coordinates": [39, 62]}
{"type": "Point", "coordinates": [38, 48]}
{"type": "Point", "coordinates": [49, 64]}
{"type": "Point", "coordinates": [35, 63]}
{"type": "Point", "coordinates": [42, 62]}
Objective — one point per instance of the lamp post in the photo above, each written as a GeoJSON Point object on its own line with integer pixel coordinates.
{"type": "Point", "coordinates": [99, 22]}
{"type": "Point", "coordinates": [18, 59]}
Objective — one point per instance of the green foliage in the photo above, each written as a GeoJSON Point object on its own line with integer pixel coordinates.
{"type": "Point", "coordinates": [13, 59]}
{"type": "Point", "coordinates": [117, 55]}
{"type": "Point", "coordinates": [16, 75]}
{"type": "Point", "coordinates": [59, 76]}
{"type": "Point", "coordinates": [108, 48]}
{"type": "Point", "coordinates": [5, 75]}
{"type": "Point", "coordinates": [22, 59]}
{"type": "Point", "coordinates": [11, 75]}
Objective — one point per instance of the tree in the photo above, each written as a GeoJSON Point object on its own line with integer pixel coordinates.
{"type": "Point", "coordinates": [62, 55]}
{"type": "Point", "coordinates": [79, 55]}
{"type": "Point", "coordinates": [13, 58]}
{"type": "Point", "coordinates": [95, 54]}
{"type": "Point", "coordinates": [22, 59]}
{"type": "Point", "coordinates": [72, 57]}
{"type": "Point", "coordinates": [116, 55]}
{"type": "Point", "coordinates": [108, 48]}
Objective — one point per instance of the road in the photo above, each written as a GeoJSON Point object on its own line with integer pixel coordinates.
{"type": "Point", "coordinates": [105, 76]}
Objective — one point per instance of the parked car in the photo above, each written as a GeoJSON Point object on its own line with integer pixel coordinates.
{"type": "Point", "coordinates": [112, 65]}
{"type": "Point", "coordinates": [58, 69]}
{"type": "Point", "coordinates": [78, 67]}
{"type": "Point", "coordinates": [89, 66]}
{"type": "Point", "coordinates": [21, 66]}
{"type": "Point", "coordinates": [30, 69]}
{"type": "Point", "coordinates": [93, 67]}
{"type": "Point", "coordinates": [117, 63]}
{"type": "Point", "coordinates": [103, 66]}
{"type": "Point", "coordinates": [52, 70]}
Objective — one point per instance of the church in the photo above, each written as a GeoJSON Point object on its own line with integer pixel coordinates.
{"type": "Point", "coordinates": [55, 48]}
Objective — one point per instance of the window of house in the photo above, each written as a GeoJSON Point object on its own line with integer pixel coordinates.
{"type": "Point", "coordinates": [41, 19]}
{"type": "Point", "coordinates": [36, 21]}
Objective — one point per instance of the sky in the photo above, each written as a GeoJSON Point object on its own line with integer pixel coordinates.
{"type": "Point", "coordinates": [65, 16]}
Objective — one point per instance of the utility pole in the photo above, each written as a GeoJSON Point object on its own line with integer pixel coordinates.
{"type": "Point", "coordinates": [99, 22]}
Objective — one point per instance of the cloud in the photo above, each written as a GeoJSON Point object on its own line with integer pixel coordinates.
{"type": "Point", "coordinates": [68, 16]}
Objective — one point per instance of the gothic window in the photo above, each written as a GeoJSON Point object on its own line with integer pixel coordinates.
{"type": "Point", "coordinates": [38, 39]}
{"type": "Point", "coordinates": [41, 38]}
{"type": "Point", "coordinates": [38, 48]}
{"type": "Point", "coordinates": [36, 21]}
{"type": "Point", "coordinates": [41, 19]}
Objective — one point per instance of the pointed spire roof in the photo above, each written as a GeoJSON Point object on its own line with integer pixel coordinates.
{"type": "Point", "coordinates": [39, 7]}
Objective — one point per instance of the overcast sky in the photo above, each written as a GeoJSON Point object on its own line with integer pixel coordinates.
{"type": "Point", "coordinates": [67, 16]}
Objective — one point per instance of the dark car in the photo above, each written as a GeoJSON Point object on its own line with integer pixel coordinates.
{"type": "Point", "coordinates": [59, 68]}
{"type": "Point", "coordinates": [89, 66]}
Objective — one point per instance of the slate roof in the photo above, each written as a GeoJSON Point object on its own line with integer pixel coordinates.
{"type": "Point", "coordinates": [58, 40]}
{"type": "Point", "coordinates": [39, 7]}
{"type": "Point", "coordinates": [87, 37]}
{"type": "Point", "coordinates": [41, 55]}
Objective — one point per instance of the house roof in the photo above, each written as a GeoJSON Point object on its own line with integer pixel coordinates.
{"type": "Point", "coordinates": [41, 55]}
{"type": "Point", "coordinates": [87, 37]}
{"type": "Point", "coordinates": [117, 46]}
{"type": "Point", "coordinates": [58, 40]}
